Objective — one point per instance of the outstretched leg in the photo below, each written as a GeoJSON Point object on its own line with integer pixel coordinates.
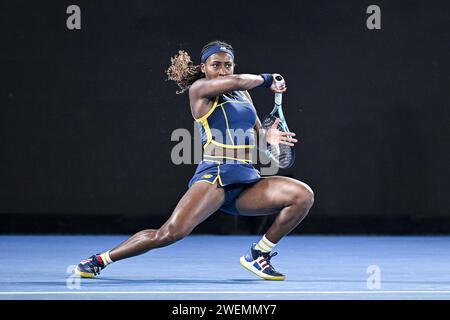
{"type": "Point", "coordinates": [197, 204]}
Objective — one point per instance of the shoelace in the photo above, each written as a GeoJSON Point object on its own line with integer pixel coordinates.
{"type": "Point", "coordinates": [267, 256]}
{"type": "Point", "coordinates": [94, 265]}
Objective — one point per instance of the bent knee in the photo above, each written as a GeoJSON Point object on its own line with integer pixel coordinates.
{"type": "Point", "coordinates": [302, 195]}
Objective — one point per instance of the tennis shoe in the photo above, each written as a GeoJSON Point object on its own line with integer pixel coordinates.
{"type": "Point", "coordinates": [90, 267]}
{"type": "Point", "coordinates": [258, 262]}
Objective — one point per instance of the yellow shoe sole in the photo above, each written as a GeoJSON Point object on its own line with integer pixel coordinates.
{"type": "Point", "coordinates": [83, 274]}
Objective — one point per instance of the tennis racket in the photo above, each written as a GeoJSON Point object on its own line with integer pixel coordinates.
{"type": "Point", "coordinates": [282, 154]}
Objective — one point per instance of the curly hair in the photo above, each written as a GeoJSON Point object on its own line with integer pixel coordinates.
{"type": "Point", "coordinates": [182, 70]}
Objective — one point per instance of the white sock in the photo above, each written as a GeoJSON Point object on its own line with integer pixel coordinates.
{"type": "Point", "coordinates": [265, 245]}
{"type": "Point", "coordinates": [106, 258]}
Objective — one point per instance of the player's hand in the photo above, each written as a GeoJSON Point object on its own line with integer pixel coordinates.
{"type": "Point", "coordinates": [275, 136]}
{"type": "Point", "coordinates": [278, 89]}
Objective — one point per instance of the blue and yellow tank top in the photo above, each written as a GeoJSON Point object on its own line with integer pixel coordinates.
{"type": "Point", "coordinates": [230, 122]}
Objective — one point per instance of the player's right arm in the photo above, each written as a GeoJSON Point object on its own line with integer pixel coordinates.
{"type": "Point", "coordinates": [208, 88]}
{"type": "Point", "coordinates": [202, 91]}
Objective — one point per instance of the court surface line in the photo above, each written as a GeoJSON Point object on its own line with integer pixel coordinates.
{"type": "Point", "coordinates": [226, 292]}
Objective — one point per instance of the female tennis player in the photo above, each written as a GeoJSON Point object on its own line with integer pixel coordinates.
{"type": "Point", "coordinates": [225, 179]}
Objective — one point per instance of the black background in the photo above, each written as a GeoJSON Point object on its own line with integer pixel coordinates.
{"type": "Point", "coordinates": [87, 115]}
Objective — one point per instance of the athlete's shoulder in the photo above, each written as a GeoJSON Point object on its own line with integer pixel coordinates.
{"type": "Point", "coordinates": [196, 85]}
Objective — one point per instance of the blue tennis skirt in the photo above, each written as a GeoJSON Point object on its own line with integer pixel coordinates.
{"type": "Point", "coordinates": [233, 177]}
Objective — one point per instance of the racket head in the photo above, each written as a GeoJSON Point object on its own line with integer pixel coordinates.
{"type": "Point", "coordinates": [283, 154]}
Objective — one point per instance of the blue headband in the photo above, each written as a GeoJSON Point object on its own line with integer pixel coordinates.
{"type": "Point", "coordinates": [214, 49]}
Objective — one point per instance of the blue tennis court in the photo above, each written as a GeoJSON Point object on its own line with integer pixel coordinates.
{"type": "Point", "coordinates": [207, 267]}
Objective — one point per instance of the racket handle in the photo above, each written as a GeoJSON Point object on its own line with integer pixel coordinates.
{"type": "Point", "coordinates": [278, 81]}
{"type": "Point", "coordinates": [278, 99]}
{"type": "Point", "coordinates": [278, 96]}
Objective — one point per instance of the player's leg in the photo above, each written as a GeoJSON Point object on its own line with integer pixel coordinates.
{"type": "Point", "coordinates": [197, 204]}
{"type": "Point", "coordinates": [288, 197]}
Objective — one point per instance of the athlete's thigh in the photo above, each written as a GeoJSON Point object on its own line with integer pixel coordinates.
{"type": "Point", "coordinates": [267, 196]}
{"type": "Point", "coordinates": [198, 203]}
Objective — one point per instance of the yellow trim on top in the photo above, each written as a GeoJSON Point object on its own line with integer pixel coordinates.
{"type": "Point", "coordinates": [229, 101]}
{"type": "Point", "coordinates": [209, 112]}
{"type": "Point", "coordinates": [225, 157]}
{"type": "Point", "coordinates": [230, 146]}
{"type": "Point", "coordinates": [205, 125]}
{"type": "Point", "coordinates": [204, 121]}
{"type": "Point", "coordinates": [226, 122]}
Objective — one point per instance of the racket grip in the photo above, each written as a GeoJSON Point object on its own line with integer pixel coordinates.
{"type": "Point", "coordinates": [278, 81]}
{"type": "Point", "coordinates": [278, 96]}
